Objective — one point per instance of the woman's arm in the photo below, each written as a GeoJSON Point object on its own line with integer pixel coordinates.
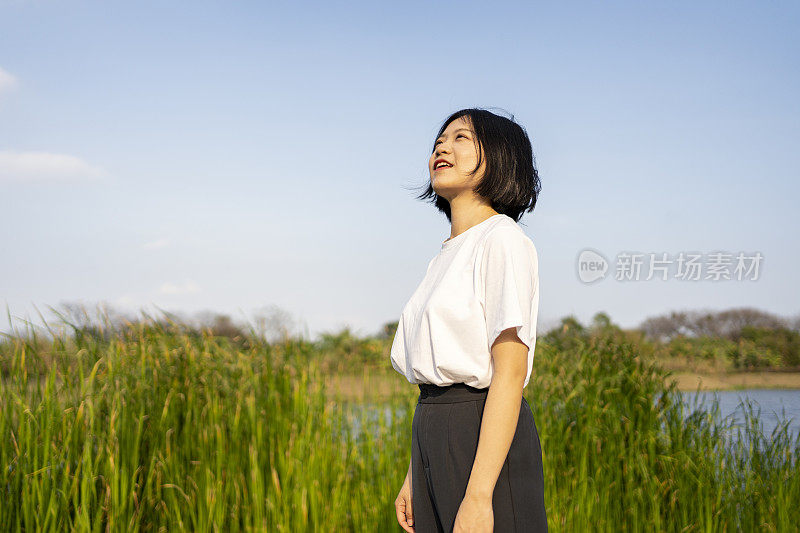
{"type": "Point", "coordinates": [500, 413]}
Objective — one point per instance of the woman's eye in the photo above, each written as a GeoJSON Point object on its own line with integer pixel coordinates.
{"type": "Point", "coordinates": [457, 136]}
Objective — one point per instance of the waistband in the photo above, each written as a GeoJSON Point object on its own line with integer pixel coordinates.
{"type": "Point", "coordinates": [455, 393]}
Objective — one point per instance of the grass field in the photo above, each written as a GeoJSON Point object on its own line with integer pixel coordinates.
{"type": "Point", "coordinates": [154, 429]}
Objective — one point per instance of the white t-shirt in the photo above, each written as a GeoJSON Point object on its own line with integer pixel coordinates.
{"type": "Point", "coordinates": [483, 281]}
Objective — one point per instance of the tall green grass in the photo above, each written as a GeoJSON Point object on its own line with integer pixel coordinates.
{"type": "Point", "coordinates": [152, 428]}
{"type": "Point", "coordinates": [625, 453]}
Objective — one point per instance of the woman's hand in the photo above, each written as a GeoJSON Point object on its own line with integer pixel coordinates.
{"type": "Point", "coordinates": [475, 515]}
{"type": "Point", "coordinates": [402, 505]}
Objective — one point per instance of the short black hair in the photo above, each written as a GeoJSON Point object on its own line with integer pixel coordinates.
{"type": "Point", "coordinates": [511, 182]}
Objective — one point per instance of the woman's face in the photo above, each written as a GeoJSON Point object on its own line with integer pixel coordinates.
{"type": "Point", "coordinates": [458, 148]}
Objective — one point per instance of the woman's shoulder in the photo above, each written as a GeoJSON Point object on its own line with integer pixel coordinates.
{"type": "Point", "coordinates": [506, 233]}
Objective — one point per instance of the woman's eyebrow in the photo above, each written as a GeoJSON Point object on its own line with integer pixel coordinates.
{"type": "Point", "coordinates": [459, 129]}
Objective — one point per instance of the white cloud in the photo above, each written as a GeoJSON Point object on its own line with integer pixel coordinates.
{"type": "Point", "coordinates": [45, 166]}
{"type": "Point", "coordinates": [154, 245]}
{"type": "Point", "coordinates": [7, 81]}
{"type": "Point", "coordinates": [173, 288]}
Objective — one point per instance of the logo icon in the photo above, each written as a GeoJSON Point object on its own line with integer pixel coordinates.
{"type": "Point", "coordinates": [592, 266]}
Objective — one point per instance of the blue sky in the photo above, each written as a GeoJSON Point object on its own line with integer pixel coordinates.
{"type": "Point", "coordinates": [244, 156]}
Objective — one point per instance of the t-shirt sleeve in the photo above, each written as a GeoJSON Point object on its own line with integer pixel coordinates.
{"type": "Point", "coordinates": [429, 265]}
{"type": "Point", "coordinates": [510, 285]}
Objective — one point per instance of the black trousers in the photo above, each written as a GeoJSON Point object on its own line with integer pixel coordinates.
{"type": "Point", "coordinates": [444, 442]}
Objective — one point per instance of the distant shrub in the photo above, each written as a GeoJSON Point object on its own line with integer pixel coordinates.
{"type": "Point", "coordinates": [746, 355]}
{"type": "Point", "coordinates": [783, 342]}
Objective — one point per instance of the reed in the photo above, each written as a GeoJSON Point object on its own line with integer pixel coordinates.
{"type": "Point", "coordinates": [151, 428]}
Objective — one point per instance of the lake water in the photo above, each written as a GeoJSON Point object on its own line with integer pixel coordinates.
{"type": "Point", "coordinates": [775, 405]}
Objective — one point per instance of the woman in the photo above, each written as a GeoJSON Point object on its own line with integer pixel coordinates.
{"type": "Point", "coordinates": [467, 337]}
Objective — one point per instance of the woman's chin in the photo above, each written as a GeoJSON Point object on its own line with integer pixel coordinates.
{"type": "Point", "coordinates": [442, 186]}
